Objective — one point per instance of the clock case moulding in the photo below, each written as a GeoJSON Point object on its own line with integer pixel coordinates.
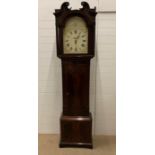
{"type": "Point", "coordinates": [76, 120]}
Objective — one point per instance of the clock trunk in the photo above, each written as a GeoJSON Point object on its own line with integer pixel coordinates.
{"type": "Point", "coordinates": [75, 87]}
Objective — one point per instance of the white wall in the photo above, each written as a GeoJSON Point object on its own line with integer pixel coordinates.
{"type": "Point", "coordinates": [102, 79]}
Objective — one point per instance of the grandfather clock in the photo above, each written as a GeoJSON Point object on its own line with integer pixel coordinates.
{"type": "Point", "coordinates": [75, 36]}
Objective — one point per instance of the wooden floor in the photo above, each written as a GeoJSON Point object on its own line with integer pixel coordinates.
{"type": "Point", "coordinates": [103, 145]}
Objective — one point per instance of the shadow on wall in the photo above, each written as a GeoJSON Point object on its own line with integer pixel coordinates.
{"type": "Point", "coordinates": [92, 91]}
{"type": "Point", "coordinates": [53, 93]}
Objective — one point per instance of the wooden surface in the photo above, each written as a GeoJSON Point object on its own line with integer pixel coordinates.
{"type": "Point", "coordinates": [103, 145]}
{"type": "Point", "coordinates": [76, 131]}
{"type": "Point", "coordinates": [75, 75]}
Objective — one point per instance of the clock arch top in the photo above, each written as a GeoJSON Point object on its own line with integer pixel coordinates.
{"type": "Point", "coordinates": [64, 13]}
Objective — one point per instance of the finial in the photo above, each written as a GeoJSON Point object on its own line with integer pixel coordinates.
{"type": "Point", "coordinates": [64, 6]}
{"type": "Point", "coordinates": [85, 5]}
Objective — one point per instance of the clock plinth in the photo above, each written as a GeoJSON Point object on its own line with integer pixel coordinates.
{"type": "Point", "coordinates": [76, 131]}
{"type": "Point", "coordinates": [75, 35]}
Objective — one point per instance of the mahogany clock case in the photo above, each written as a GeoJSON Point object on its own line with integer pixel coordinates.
{"type": "Point", "coordinates": [76, 120]}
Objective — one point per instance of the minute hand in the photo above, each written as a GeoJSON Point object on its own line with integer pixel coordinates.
{"type": "Point", "coordinates": [78, 36]}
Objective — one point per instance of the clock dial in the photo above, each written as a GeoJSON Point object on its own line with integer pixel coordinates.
{"type": "Point", "coordinates": [75, 36]}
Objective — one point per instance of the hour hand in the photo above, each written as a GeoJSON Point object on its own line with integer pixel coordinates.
{"type": "Point", "coordinates": [77, 37]}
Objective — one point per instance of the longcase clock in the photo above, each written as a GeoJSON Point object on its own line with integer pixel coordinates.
{"type": "Point", "coordinates": [75, 36]}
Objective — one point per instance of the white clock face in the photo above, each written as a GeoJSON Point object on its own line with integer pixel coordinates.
{"type": "Point", "coordinates": [75, 36]}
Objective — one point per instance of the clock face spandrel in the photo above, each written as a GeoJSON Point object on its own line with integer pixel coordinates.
{"type": "Point", "coordinates": [75, 36]}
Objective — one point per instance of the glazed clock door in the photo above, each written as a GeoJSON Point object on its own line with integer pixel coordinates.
{"type": "Point", "coordinates": [75, 36]}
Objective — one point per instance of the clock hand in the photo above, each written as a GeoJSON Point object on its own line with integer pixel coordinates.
{"type": "Point", "coordinates": [77, 36]}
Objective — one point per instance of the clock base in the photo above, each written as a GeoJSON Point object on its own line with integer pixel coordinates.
{"type": "Point", "coordinates": [81, 145]}
{"type": "Point", "coordinates": [76, 131]}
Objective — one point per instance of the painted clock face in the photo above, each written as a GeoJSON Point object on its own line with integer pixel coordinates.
{"type": "Point", "coordinates": [75, 36]}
